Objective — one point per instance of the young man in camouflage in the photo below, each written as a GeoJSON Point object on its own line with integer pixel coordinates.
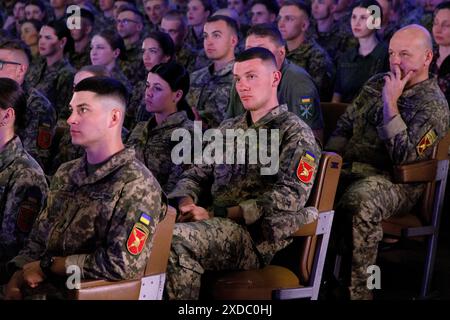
{"type": "Point", "coordinates": [397, 118]}
{"type": "Point", "coordinates": [40, 117]}
{"type": "Point", "coordinates": [210, 86]}
{"type": "Point", "coordinates": [296, 88]}
{"type": "Point", "coordinates": [252, 214]}
{"type": "Point", "coordinates": [102, 209]}
{"type": "Point", "coordinates": [23, 188]}
{"type": "Point", "coordinates": [293, 22]}
{"type": "Point", "coordinates": [129, 27]}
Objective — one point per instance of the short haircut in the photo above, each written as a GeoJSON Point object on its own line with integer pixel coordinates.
{"type": "Point", "coordinates": [271, 5]}
{"type": "Point", "coordinates": [267, 30]}
{"type": "Point", "coordinates": [104, 86]}
{"type": "Point", "coordinates": [257, 53]}
{"type": "Point", "coordinates": [135, 11]}
{"type": "Point", "coordinates": [442, 5]}
{"type": "Point", "coordinates": [165, 42]}
{"type": "Point", "coordinates": [62, 31]}
{"type": "Point", "coordinates": [300, 5]}
{"type": "Point", "coordinates": [16, 44]}
{"type": "Point", "coordinates": [366, 4]}
{"type": "Point", "coordinates": [230, 22]}
{"type": "Point", "coordinates": [114, 40]}
{"type": "Point", "coordinates": [176, 15]}
{"type": "Point", "coordinates": [12, 95]}
{"type": "Point", "coordinates": [97, 71]}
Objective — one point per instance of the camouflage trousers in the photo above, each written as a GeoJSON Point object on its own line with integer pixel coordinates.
{"type": "Point", "coordinates": [207, 245]}
{"type": "Point", "coordinates": [363, 205]}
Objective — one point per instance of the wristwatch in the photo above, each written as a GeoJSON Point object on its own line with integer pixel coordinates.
{"type": "Point", "coordinates": [220, 211]}
{"type": "Point", "coordinates": [46, 265]}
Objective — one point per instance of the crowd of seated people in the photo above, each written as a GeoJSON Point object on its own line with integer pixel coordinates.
{"type": "Point", "coordinates": [152, 68]}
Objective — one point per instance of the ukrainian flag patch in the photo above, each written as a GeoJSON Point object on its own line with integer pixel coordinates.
{"type": "Point", "coordinates": [145, 219]}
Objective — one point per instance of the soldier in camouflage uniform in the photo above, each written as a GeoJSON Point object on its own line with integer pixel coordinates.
{"type": "Point", "coordinates": [80, 57]}
{"type": "Point", "coordinates": [106, 19]}
{"type": "Point", "coordinates": [53, 74]}
{"type": "Point", "coordinates": [102, 209]}
{"type": "Point", "coordinates": [296, 88]}
{"type": "Point", "coordinates": [152, 139]}
{"type": "Point", "coordinates": [252, 215]}
{"type": "Point", "coordinates": [330, 35]}
{"type": "Point", "coordinates": [304, 51]}
{"type": "Point", "coordinates": [210, 86]}
{"type": "Point", "coordinates": [23, 187]}
{"type": "Point", "coordinates": [129, 27]}
{"type": "Point", "coordinates": [40, 118]}
{"type": "Point", "coordinates": [397, 119]}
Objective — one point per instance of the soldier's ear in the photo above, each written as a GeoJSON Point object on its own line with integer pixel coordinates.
{"type": "Point", "coordinates": [276, 78]}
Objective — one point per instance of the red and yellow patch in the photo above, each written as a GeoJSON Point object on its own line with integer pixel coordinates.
{"type": "Point", "coordinates": [305, 170]}
{"type": "Point", "coordinates": [427, 141]}
{"type": "Point", "coordinates": [44, 137]}
{"type": "Point", "coordinates": [137, 238]}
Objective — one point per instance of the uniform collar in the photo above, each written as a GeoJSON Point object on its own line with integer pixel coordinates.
{"type": "Point", "coordinates": [224, 71]}
{"type": "Point", "coordinates": [274, 113]}
{"type": "Point", "coordinates": [80, 177]}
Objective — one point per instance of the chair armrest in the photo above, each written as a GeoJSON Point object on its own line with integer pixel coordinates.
{"type": "Point", "coordinates": [424, 171]}
{"type": "Point", "coordinates": [106, 290]}
{"type": "Point", "coordinates": [306, 230]}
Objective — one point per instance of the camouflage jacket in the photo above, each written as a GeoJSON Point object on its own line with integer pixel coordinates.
{"type": "Point", "coordinates": [80, 59]}
{"type": "Point", "coordinates": [336, 41]}
{"type": "Point", "coordinates": [40, 124]}
{"type": "Point", "coordinates": [153, 146]}
{"type": "Point", "coordinates": [103, 222]}
{"type": "Point", "coordinates": [192, 40]}
{"type": "Point", "coordinates": [23, 190]}
{"type": "Point", "coordinates": [133, 67]}
{"type": "Point", "coordinates": [273, 204]}
{"type": "Point", "coordinates": [186, 56]}
{"type": "Point", "coordinates": [316, 61]}
{"type": "Point", "coordinates": [370, 147]}
{"type": "Point", "coordinates": [296, 89]}
{"type": "Point", "coordinates": [209, 93]}
{"type": "Point", "coordinates": [55, 82]}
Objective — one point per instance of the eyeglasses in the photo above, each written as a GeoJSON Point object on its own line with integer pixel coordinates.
{"type": "Point", "coordinates": [125, 22]}
{"type": "Point", "coordinates": [2, 63]}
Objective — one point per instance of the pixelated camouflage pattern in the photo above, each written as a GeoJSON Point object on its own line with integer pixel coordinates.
{"type": "Point", "coordinates": [153, 146]}
{"type": "Point", "coordinates": [40, 123]}
{"type": "Point", "coordinates": [316, 61]}
{"type": "Point", "coordinates": [295, 84]}
{"type": "Point", "coordinates": [55, 82]}
{"type": "Point", "coordinates": [370, 149]}
{"type": "Point", "coordinates": [186, 56]}
{"type": "Point", "coordinates": [89, 218]}
{"type": "Point", "coordinates": [336, 41]}
{"type": "Point", "coordinates": [23, 190]}
{"type": "Point", "coordinates": [273, 206]}
{"type": "Point", "coordinates": [192, 40]}
{"type": "Point", "coordinates": [133, 67]}
{"type": "Point", "coordinates": [80, 59]}
{"type": "Point", "coordinates": [209, 93]}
